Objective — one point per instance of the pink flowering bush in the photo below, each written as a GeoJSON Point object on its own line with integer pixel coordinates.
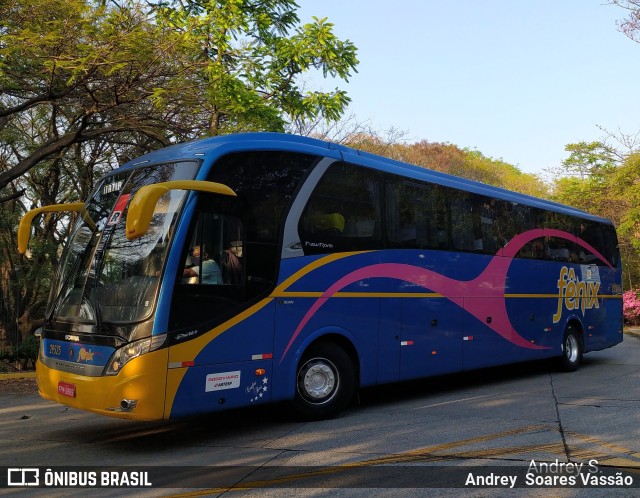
{"type": "Point", "coordinates": [631, 307]}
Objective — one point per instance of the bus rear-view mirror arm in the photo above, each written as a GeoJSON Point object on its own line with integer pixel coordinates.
{"type": "Point", "coordinates": [24, 228]}
{"type": "Point", "coordinates": [144, 202]}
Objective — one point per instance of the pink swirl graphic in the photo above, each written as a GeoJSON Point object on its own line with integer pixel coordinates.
{"type": "Point", "coordinates": [482, 296]}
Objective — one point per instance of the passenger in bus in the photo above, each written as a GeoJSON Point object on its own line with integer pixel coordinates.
{"type": "Point", "coordinates": [211, 273]}
{"type": "Point", "coordinates": [231, 269]}
{"type": "Point", "coordinates": [328, 223]}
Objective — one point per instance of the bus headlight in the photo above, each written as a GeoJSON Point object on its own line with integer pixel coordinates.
{"type": "Point", "coordinates": [130, 351]}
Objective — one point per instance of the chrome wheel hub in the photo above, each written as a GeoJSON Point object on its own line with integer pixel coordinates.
{"type": "Point", "coordinates": [319, 380]}
{"type": "Point", "coordinates": [571, 348]}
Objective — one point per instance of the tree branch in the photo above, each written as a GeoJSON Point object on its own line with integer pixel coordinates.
{"type": "Point", "coordinates": [13, 196]}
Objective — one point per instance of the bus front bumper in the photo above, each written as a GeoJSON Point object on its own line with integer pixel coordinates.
{"type": "Point", "coordinates": [136, 393]}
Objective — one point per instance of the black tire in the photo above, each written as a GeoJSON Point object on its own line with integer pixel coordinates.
{"type": "Point", "coordinates": [325, 382]}
{"type": "Point", "coordinates": [571, 350]}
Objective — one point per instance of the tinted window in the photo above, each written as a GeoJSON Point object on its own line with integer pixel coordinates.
{"type": "Point", "coordinates": [265, 183]}
{"type": "Point", "coordinates": [417, 215]}
{"type": "Point", "coordinates": [553, 248]}
{"type": "Point", "coordinates": [236, 238]}
{"type": "Point", "coordinates": [343, 212]}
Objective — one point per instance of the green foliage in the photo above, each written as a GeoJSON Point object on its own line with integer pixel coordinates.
{"type": "Point", "coordinates": [88, 84]}
{"type": "Point", "coordinates": [153, 73]}
{"type": "Point", "coordinates": [588, 159]}
{"type": "Point", "coordinates": [611, 191]}
{"type": "Point", "coordinates": [246, 64]}
{"type": "Point", "coordinates": [26, 352]}
{"type": "Point", "coordinates": [627, 186]}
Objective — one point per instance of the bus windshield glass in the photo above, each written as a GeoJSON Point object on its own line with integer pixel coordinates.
{"type": "Point", "coordinates": [105, 277]}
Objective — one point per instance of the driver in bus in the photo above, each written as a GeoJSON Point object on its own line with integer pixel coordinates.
{"type": "Point", "coordinates": [211, 273]}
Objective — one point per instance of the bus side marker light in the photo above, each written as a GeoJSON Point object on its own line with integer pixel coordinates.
{"type": "Point", "coordinates": [181, 364]}
{"type": "Point", "coordinates": [265, 356]}
{"type": "Point", "coordinates": [260, 372]}
{"type": "Point", "coordinates": [434, 352]}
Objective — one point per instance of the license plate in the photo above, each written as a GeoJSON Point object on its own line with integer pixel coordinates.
{"type": "Point", "coordinates": [67, 389]}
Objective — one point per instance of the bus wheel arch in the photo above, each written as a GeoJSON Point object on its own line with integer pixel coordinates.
{"type": "Point", "coordinates": [326, 378]}
{"type": "Point", "coordinates": [572, 347]}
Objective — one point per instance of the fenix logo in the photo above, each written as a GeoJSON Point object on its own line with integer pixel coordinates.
{"type": "Point", "coordinates": [575, 294]}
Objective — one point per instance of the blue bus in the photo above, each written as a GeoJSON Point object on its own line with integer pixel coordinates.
{"type": "Point", "coordinates": [253, 268]}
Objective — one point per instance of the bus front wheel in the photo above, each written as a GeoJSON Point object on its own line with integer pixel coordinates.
{"type": "Point", "coordinates": [325, 381]}
{"type": "Point", "coordinates": [571, 350]}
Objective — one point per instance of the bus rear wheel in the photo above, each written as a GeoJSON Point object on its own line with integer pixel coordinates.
{"type": "Point", "coordinates": [571, 350]}
{"type": "Point", "coordinates": [325, 382]}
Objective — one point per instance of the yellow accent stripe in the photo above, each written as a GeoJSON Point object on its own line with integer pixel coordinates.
{"type": "Point", "coordinates": [187, 351]}
{"type": "Point", "coordinates": [291, 295]}
{"type": "Point", "coordinates": [310, 267]}
{"type": "Point", "coordinates": [556, 296]}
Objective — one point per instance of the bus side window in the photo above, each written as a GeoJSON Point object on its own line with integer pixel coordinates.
{"type": "Point", "coordinates": [211, 280]}
{"type": "Point", "coordinates": [466, 225]}
{"type": "Point", "coordinates": [343, 212]}
{"type": "Point", "coordinates": [214, 252]}
{"type": "Point", "coordinates": [416, 216]}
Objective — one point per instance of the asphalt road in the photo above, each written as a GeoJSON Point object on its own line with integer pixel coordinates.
{"type": "Point", "coordinates": [401, 440]}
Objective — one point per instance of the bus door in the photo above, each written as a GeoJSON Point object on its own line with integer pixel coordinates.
{"type": "Point", "coordinates": [212, 322]}
{"type": "Point", "coordinates": [430, 340]}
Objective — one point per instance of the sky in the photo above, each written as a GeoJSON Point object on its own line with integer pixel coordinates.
{"type": "Point", "coordinates": [517, 80]}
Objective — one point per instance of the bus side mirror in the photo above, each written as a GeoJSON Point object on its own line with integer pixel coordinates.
{"type": "Point", "coordinates": [24, 228]}
{"type": "Point", "coordinates": [143, 204]}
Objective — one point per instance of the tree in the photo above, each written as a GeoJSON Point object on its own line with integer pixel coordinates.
{"type": "Point", "coordinates": [88, 84]}
{"type": "Point", "coordinates": [631, 25]}
{"type": "Point", "coordinates": [625, 184]}
{"type": "Point", "coordinates": [246, 66]}
{"type": "Point", "coordinates": [586, 159]}
{"type": "Point", "coordinates": [157, 73]}
{"type": "Point", "coordinates": [609, 189]}
{"type": "Point", "coordinates": [620, 144]}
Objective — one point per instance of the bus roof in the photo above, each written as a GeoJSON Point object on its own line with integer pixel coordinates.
{"type": "Point", "coordinates": [206, 147]}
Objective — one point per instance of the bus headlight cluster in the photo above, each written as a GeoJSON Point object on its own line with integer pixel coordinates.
{"type": "Point", "coordinates": [130, 351]}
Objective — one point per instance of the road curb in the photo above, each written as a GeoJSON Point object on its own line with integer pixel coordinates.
{"type": "Point", "coordinates": [633, 332]}
{"type": "Point", "coordinates": [17, 375]}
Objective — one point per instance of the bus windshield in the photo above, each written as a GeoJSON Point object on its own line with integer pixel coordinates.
{"type": "Point", "coordinates": [104, 277]}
